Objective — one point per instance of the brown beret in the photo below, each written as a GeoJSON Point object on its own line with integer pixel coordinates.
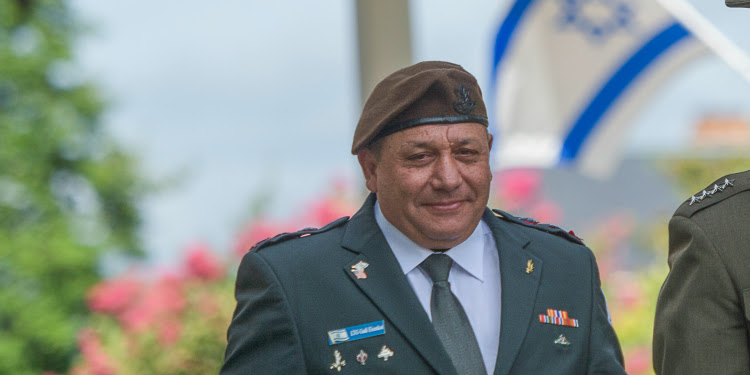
{"type": "Point", "coordinates": [738, 3]}
{"type": "Point", "coordinates": [430, 92]}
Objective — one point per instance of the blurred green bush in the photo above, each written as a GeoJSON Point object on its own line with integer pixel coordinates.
{"type": "Point", "coordinates": [66, 191]}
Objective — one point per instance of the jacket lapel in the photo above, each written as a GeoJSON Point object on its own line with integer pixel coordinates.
{"type": "Point", "coordinates": [519, 289]}
{"type": "Point", "coordinates": [389, 289]}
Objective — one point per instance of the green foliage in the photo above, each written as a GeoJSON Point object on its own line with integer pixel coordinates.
{"type": "Point", "coordinates": [180, 329]}
{"type": "Point", "coordinates": [66, 192]}
{"type": "Point", "coordinates": [693, 174]}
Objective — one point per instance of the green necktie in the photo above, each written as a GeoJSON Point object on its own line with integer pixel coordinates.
{"type": "Point", "coordinates": [449, 319]}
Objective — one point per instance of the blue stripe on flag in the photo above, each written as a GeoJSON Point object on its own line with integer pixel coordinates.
{"type": "Point", "coordinates": [616, 86]}
{"type": "Point", "coordinates": [505, 33]}
{"type": "Point", "coordinates": [502, 40]}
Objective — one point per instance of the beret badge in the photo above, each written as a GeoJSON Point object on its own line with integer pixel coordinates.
{"type": "Point", "coordinates": [463, 104]}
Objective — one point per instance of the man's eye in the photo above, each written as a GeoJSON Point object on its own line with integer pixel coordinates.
{"type": "Point", "coordinates": [418, 157]}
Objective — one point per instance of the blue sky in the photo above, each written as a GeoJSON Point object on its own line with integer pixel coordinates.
{"type": "Point", "coordinates": [238, 99]}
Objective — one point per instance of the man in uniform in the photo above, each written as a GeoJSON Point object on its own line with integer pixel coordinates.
{"type": "Point", "coordinates": [703, 310]}
{"type": "Point", "coordinates": [424, 278]}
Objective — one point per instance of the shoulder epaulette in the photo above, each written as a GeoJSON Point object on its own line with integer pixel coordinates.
{"type": "Point", "coordinates": [719, 190]}
{"type": "Point", "coordinates": [281, 237]}
{"type": "Point", "coordinates": [531, 223]}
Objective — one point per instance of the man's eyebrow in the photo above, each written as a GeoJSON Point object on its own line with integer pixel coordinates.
{"type": "Point", "coordinates": [465, 141]}
{"type": "Point", "coordinates": [417, 144]}
{"type": "Point", "coordinates": [422, 144]}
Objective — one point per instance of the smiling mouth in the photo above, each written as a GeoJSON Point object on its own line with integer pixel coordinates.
{"type": "Point", "coordinates": [445, 206]}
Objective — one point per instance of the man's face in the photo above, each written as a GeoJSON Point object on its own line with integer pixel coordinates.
{"type": "Point", "coordinates": [432, 181]}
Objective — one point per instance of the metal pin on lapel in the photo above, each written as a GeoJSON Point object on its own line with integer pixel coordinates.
{"type": "Point", "coordinates": [530, 266]}
{"type": "Point", "coordinates": [338, 361]}
{"type": "Point", "coordinates": [359, 269]}
{"type": "Point", "coordinates": [385, 353]}
{"type": "Point", "coordinates": [562, 340]}
{"type": "Point", "coordinates": [362, 357]}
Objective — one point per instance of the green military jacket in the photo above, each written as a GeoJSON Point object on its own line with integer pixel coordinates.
{"type": "Point", "coordinates": [703, 308]}
{"type": "Point", "coordinates": [296, 293]}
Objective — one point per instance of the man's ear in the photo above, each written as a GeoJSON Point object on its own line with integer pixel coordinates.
{"type": "Point", "coordinates": [369, 165]}
{"type": "Point", "coordinates": [489, 139]}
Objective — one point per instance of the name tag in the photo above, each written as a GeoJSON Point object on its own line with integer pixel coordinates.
{"type": "Point", "coordinates": [362, 331]}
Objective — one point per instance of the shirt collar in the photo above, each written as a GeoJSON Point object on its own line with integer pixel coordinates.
{"type": "Point", "coordinates": [469, 254]}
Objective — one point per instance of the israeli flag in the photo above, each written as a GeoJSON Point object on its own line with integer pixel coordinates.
{"type": "Point", "coordinates": [569, 75]}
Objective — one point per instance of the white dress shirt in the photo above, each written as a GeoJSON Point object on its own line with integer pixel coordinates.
{"type": "Point", "coordinates": [474, 279]}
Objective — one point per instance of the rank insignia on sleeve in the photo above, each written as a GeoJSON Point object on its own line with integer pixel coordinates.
{"type": "Point", "coordinates": [558, 317]}
{"type": "Point", "coordinates": [697, 198]}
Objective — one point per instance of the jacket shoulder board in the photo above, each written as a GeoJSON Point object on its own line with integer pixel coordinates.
{"type": "Point", "coordinates": [719, 190]}
{"type": "Point", "coordinates": [281, 237]}
{"type": "Point", "coordinates": [531, 223]}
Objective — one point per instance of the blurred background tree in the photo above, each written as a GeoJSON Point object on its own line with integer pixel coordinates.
{"type": "Point", "coordinates": [692, 174]}
{"type": "Point", "coordinates": [67, 192]}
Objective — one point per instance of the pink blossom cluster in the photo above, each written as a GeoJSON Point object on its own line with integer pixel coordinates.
{"type": "Point", "coordinates": [97, 360]}
{"type": "Point", "coordinates": [520, 191]}
{"type": "Point", "coordinates": [316, 214]}
{"type": "Point", "coordinates": [141, 304]}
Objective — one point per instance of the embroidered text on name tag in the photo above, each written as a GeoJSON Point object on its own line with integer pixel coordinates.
{"type": "Point", "coordinates": [361, 331]}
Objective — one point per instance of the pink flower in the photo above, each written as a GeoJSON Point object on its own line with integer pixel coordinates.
{"type": "Point", "coordinates": [546, 212]}
{"type": "Point", "coordinates": [518, 187]}
{"type": "Point", "coordinates": [168, 295]}
{"type": "Point", "coordinates": [113, 296]}
{"type": "Point", "coordinates": [93, 354]}
{"type": "Point", "coordinates": [605, 264]}
{"type": "Point", "coordinates": [160, 302]}
{"type": "Point", "coordinates": [316, 214]}
{"type": "Point", "coordinates": [326, 210]}
{"type": "Point", "coordinates": [202, 263]}
{"type": "Point", "coordinates": [208, 305]}
{"type": "Point", "coordinates": [618, 228]}
{"type": "Point", "coordinates": [638, 361]}
{"type": "Point", "coordinates": [169, 332]}
{"type": "Point", "coordinates": [255, 232]}
{"type": "Point", "coordinates": [138, 318]}
{"type": "Point", "coordinates": [629, 293]}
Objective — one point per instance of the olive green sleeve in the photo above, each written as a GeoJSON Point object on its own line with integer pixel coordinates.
{"type": "Point", "coordinates": [700, 322]}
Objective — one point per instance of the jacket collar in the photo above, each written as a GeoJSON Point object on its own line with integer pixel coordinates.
{"type": "Point", "coordinates": [388, 288]}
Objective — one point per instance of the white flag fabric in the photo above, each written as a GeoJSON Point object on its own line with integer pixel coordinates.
{"type": "Point", "coordinates": [569, 75]}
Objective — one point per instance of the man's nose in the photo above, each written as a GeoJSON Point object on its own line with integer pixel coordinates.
{"type": "Point", "coordinates": [447, 174]}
